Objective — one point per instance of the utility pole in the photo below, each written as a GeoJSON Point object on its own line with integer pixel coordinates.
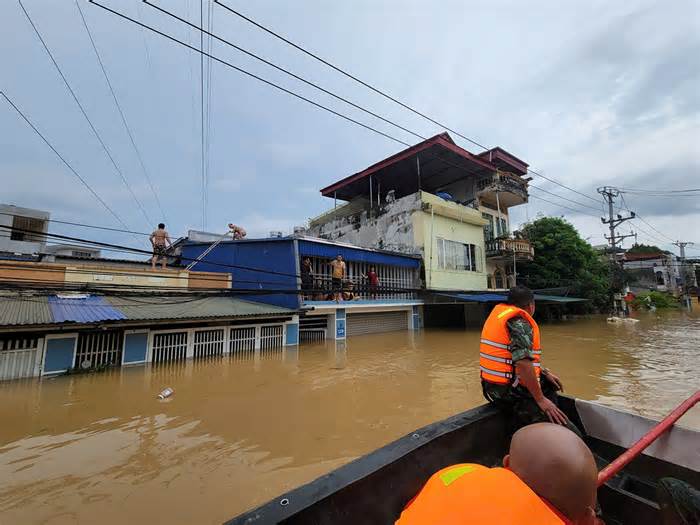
{"type": "Point", "coordinates": [609, 193]}
{"type": "Point", "coordinates": [684, 287]}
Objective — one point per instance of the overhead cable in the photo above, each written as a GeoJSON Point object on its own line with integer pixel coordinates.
{"type": "Point", "coordinates": [121, 112]}
{"type": "Point", "coordinates": [84, 113]}
{"type": "Point", "coordinates": [81, 179]}
{"type": "Point", "coordinates": [382, 93]}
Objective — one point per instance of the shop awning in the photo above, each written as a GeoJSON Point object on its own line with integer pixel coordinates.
{"type": "Point", "coordinates": [499, 297]}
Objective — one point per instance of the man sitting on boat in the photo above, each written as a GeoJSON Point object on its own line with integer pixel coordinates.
{"type": "Point", "coordinates": [509, 359]}
{"type": "Point", "coordinates": [548, 478]}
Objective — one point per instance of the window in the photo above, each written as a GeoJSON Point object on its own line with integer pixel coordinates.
{"type": "Point", "coordinates": [26, 223]}
{"type": "Point", "coordinates": [458, 256]}
{"type": "Point", "coordinates": [488, 228]}
{"type": "Point", "coordinates": [502, 227]}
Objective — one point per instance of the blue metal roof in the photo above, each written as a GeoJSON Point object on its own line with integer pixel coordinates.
{"type": "Point", "coordinates": [90, 309]}
{"type": "Point", "coordinates": [329, 250]}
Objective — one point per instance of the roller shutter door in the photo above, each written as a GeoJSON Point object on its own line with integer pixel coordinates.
{"type": "Point", "coordinates": [372, 323]}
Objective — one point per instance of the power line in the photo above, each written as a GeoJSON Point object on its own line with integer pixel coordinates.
{"type": "Point", "coordinates": [658, 192]}
{"type": "Point", "coordinates": [82, 225]}
{"type": "Point", "coordinates": [380, 92]}
{"type": "Point", "coordinates": [82, 110]}
{"type": "Point", "coordinates": [272, 84]}
{"type": "Point", "coordinates": [565, 198]}
{"type": "Point", "coordinates": [563, 206]}
{"type": "Point", "coordinates": [82, 180]}
{"type": "Point", "coordinates": [637, 216]}
{"type": "Point", "coordinates": [251, 75]}
{"type": "Point", "coordinates": [201, 72]}
{"type": "Point", "coordinates": [119, 108]}
{"type": "Point", "coordinates": [286, 71]}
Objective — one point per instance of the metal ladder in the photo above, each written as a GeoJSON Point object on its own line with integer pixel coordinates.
{"type": "Point", "coordinates": [208, 250]}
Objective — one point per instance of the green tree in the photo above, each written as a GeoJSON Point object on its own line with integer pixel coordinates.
{"type": "Point", "coordinates": [645, 248]}
{"type": "Point", "coordinates": [563, 258]}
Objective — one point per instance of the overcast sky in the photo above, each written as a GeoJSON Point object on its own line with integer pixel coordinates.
{"type": "Point", "coordinates": [588, 93]}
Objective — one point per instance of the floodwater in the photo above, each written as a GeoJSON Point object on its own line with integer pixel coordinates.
{"type": "Point", "coordinates": [101, 448]}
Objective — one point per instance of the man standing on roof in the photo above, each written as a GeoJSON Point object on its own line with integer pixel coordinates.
{"type": "Point", "coordinates": [160, 240]}
{"type": "Point", "coordinates": [509, 359]}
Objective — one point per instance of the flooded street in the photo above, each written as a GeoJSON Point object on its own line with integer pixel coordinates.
{"type": "Point", "coordinates": [102, 448]}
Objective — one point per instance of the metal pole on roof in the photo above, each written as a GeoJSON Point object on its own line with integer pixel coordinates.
{"type": "Point", "coordinates": [371, 200]}
{"type": "Point", "coordinates": [500, 219]}
{"type": "Point", "coordinates": [418, 170]}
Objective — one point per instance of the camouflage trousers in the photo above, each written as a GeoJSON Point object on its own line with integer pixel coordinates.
{"type": "Point", "coordinates": [520, 407]}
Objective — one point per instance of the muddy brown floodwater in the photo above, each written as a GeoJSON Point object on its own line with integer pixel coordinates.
{"type": "Point", "coordinates": [102, 449]}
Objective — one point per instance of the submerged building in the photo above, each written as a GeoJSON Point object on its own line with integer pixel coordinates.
{"type": "Point", "coordinates": [440, 202]}
{"type": "Point", "coordinates": [268, 271]}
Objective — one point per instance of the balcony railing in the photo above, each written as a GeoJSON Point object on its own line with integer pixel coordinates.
{"type": "Point", "coordinates": [521, 248]}
{"type": "Point", "coordinates": [503, 181]}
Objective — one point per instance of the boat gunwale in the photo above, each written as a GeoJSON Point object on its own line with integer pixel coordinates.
{"type": "Point", "coordinates": [346, 475]}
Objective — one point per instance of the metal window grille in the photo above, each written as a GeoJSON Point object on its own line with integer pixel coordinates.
{"type": "Point", "coordinates": [312, 335]}
{"type": "Point", "coordinates": [312, 329]}
{"type": "Point", "coordinates": [390, 278]}
{"type": "Point", "coordinates": [209, 343]}
{"type": "Point", "coordinates": [242, 341]}
{"type": "Point", "coordinates": [18, 357]}
{"type": "Point", "coordinates": [170, 346]}
{"type": "Point", "coordinates": [99, 349]}
{"type": "Point", "coordinates": [271, 336]}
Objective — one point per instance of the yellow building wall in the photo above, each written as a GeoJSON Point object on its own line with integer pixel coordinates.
{"type": "Point", "coordinates": [453, 222]}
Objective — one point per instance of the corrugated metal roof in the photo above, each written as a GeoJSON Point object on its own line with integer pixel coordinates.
{"type": "Point", "coordinates": [24, 310]}
{"type": "Point", "coordinates": [90, 309]}
{"type": "Point", "coordinates": [37, 310]}
{"type": "Point", "coordinates": [154, 308]}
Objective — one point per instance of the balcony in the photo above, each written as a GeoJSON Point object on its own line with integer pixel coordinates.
{"type": "Point", "coordinates": [505, 249]}
{"type": "Point", "coordinates": [511, 189]}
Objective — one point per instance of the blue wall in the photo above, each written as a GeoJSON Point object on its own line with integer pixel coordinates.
{"type": "Point", "coordinates": [330, 250]}
{"type": "Point", "coordinates": [292, 334]}
{"type": "Point", "coordinates": [276, 255]}
{"type": "Point", "coordinates": [59, 354]}
{"type": "Point", "coordinates": [135, 347]}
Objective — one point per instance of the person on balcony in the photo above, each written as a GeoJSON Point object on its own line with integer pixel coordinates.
{"type": "Point", "coordinates": [337, 276]}
{"type": "Point", "coordinates": [373, 281]}
{"type": "Point", "coordinates": [307, 278]}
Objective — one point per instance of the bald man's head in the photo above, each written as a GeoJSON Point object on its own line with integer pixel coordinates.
{"type": "Point", "coordinates": [558, 466]}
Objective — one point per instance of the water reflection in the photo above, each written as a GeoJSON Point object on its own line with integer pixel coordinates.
{"type": "Point", "coordinates": [242, 428]}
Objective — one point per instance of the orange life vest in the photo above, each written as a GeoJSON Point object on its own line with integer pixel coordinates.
{"type": "Point", "coordinates": [495, 359]}
{"type": "Point", "coordinates": [470, 494]}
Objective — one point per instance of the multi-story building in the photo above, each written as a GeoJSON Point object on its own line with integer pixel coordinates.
{"type": "Point", "coordinates": [15, 225]}
{"type": "Point", "coordinates": [269, 271]}
{"type": "Point", "coordinates": [438, 201]}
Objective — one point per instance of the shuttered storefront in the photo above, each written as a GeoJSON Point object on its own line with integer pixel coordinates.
{"type": "Point", "coordinates": [372, 323]}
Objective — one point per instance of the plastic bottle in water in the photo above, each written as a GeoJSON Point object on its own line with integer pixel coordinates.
{"type": "Point", "coordinates": [166, 393]}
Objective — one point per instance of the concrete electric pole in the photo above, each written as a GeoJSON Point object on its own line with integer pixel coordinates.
{"type": "Point", "coordinates": [609, 193]}
{"type": "Point", "coordinates": [684, 287]}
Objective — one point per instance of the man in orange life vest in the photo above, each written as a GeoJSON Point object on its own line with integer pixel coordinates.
{"type": "Point", "coordinates": [509, 360]}
{"type": "Point", "coordinates": [549, 478]}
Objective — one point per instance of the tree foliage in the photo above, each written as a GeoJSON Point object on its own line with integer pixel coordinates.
{"type": "Point", "coordinates": [563, 258]}
{"type": "Point", "coordinates": [645, 248]}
